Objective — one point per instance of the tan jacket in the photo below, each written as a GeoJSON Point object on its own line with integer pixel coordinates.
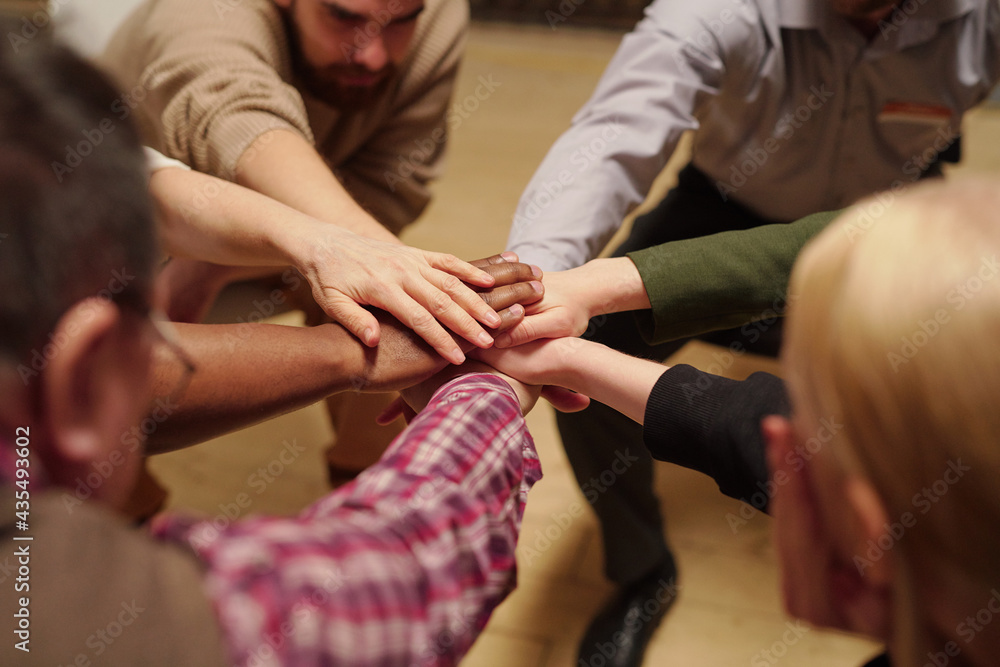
{"type": "Point", "coordinates": [98, 592]}
{"type": "Point", "coordinates": [205, 79]}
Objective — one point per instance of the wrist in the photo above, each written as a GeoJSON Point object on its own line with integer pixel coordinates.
{"type": "Point", "coordinates": [309, 243]}
{"type": "Point", "coordinates": [296, 243]}
{"type": "Point", "coordinates": [615, 285]}
{"type": "Point", "coordinates": [340, 357]}
{"type": "Point", "coordinates": [563, 367]}
{"type": "Point", "coordinates": [584, 362]}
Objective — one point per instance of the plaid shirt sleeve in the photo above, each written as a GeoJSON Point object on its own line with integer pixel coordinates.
{"type": "Point", "coordinates": [401, 567]}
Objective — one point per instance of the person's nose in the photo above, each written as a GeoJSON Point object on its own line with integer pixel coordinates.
{"type": "Point", "coordinates": [374, 55]}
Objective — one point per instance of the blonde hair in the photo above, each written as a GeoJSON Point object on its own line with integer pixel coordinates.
{"type": "Point", "coordinates": [895, 331]}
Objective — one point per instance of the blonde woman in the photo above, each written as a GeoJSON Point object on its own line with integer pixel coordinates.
{"type": "Point", "coordinates": [879, 462]}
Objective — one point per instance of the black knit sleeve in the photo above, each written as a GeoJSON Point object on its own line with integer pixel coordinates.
{"type": "Point", "coordinates": [712, 424]}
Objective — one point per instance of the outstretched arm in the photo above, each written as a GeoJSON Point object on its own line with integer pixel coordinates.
{"type": "Point", "coordinates": [682, 288]}
{"type": "Point", "coordinates": [690, 418]}
{"type": "Point", "coordinates": [721, 281]}
{"type": "Point", "coordinates": [246, 373]}
{"type": "Point", "coordinates": [208, 219]}
{"type": "Point", "coordinates": [402, 566]}
{"type": "Point", "coordinates": [615, 379]}
{"type": "Point", "coordinates": [603, 166]}
{"type": "Point", "coordinates": [572, 297]}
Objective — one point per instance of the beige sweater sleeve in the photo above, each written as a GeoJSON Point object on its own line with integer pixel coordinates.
{"type": "Point", "coordinates": [207, 78]}
{"type": "Point", "coordinates": [390, 174]}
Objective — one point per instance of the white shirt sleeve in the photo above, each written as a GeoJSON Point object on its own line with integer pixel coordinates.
{"type": "Point", "coordinates": [604, 165]}
{"type": "Point", "coordinates": [156, 160]}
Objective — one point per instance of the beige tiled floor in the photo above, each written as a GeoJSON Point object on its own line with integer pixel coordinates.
{"type": "Point", "coordinates": [729, 610]}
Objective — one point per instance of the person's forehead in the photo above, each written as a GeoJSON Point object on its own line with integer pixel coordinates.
{"type": "Point", "coordinates": [376, 8]}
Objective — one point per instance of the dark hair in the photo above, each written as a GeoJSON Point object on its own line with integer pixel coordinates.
{"type": "Point", "coordinates": [75, 216]}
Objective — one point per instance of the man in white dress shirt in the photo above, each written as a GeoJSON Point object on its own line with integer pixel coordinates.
{"type": "Point", "coordinates": [796, 107]}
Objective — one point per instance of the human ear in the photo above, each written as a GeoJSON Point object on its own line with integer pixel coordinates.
{"type": "Point", "coordinates": [83, 396]}
{"type": "Point", "coordinates": [824, 524]}
{"type": "Point", "coordinates": [870, 549]}
{"type": "Point", "coordinates": [801, 539]}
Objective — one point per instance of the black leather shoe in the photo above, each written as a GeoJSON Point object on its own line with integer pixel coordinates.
{"type": "Point", "coordinates": [617, 637]}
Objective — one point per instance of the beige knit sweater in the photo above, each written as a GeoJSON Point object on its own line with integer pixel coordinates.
{"type": "Point", "coordinates": [205, 78]}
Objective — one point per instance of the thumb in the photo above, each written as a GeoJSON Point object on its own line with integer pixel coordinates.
{"type": "Point", "coordinates": [525, 332]}
{"type": "Point", "coordinates": [397, 408]}
{"type": "Point", "coordinates": [565, 400]}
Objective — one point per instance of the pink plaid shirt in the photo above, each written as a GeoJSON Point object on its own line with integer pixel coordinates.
{"type": "Point", "coordinates": [401, 567]}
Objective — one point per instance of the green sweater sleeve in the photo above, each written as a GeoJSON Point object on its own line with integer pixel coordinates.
{"type": "Point", "coordinates": [720, 281]}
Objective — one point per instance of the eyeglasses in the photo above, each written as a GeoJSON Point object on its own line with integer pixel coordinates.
{"type": "Point", "coordinates": [168, 337]}
{"type": "Point", "coordinates": [136, 303]}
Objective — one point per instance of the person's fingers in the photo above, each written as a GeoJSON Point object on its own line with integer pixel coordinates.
{"type": "Point", "coordinates": [507, 273]}
{"type": "Point", "coordinates": [464, 271]}
{"type": "Point", "coordinates": [390, 413]}
{"type": "Point", "coordinates": [417, 317]}
{"type": "Point", "coordinates": [523, 367]}
{"type": "Point", "coordinates": [466, 299]}
{"type": "Point", "coordinates": [398, 408]}
{"type": "Point", "coordinates": [353, 317]}
{"type": "Point", "coordinates": [500, 258]}
{"type": "Point", "coordinates": [565, 400]}
{"type": "Point", "coordinates": [499, 298]}
{"type": "Point", "coordinates": [449, 310]}
{"type": "Point", "coordinates": [509, 318]}
{"type": "Point", "coordinates": [544, 325]}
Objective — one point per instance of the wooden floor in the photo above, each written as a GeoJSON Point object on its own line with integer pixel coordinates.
{"type": "Point", "coordinates": [729, 612]}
